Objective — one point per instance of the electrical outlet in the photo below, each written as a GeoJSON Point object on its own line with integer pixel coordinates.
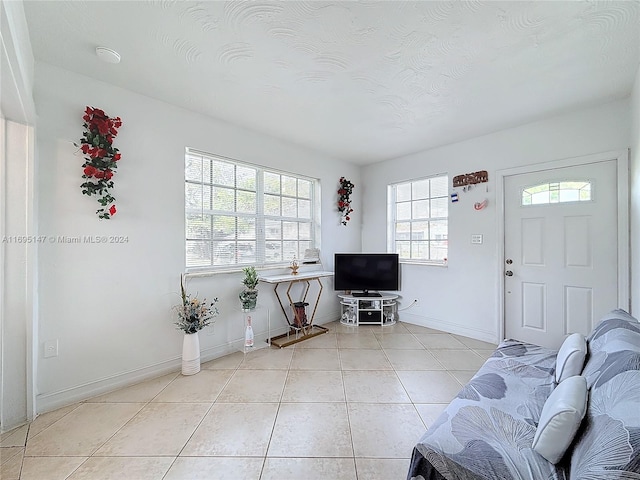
{"type": "Point", "coordinates": [51, 348]}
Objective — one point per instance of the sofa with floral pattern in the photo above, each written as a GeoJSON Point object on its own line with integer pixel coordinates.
{"type": "Point", "coordinates": [487, 432]}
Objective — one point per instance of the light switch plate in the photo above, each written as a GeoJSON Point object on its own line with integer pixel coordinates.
{"type": "Point", "coordinates": [476, 238]}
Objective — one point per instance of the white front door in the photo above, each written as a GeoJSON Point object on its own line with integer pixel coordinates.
{"type": "Point", "coordinates": [561, 251]}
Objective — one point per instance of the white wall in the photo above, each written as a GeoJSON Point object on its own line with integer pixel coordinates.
{"type": "Point", "coordinates": [16, 64]}
{"type": "Point", "coordinates": [109, 306]}
{"type": "Point", "coordinates": [17, 276]}
{"type": "Point", "coordinates": [17, 260]}
{"type": "Point", "coordinates": [463, 297]}
{"type": "Point", "coordinates": [635, 196]}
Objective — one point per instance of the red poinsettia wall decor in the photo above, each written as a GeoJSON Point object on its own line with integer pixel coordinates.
{"type": "Point", "coordinates": [344, 199]}
{"type": "Point", "coordinates": [101, 158]}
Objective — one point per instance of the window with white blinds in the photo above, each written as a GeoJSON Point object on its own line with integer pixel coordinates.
{"type": "Point", "coordinates": [419, 228]}
{"type": "Point", "coordinates": [242, 214]}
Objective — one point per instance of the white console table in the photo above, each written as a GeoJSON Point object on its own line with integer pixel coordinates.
{"type": "Point", "coordinates": [382, 310]}
{"type": "Point", "coordinates": [309, 330]}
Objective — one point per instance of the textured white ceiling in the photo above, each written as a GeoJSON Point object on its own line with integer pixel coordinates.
{"type": "Point", "coordinates": [363, 81]}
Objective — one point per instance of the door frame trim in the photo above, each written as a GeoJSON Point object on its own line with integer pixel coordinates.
{"type": "Point", "coordinates": [622, 168]}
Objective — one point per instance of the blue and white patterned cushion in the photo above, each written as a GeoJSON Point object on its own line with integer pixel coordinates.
{"type": "Point", "coordinates": [608, 444]}
{"type": "Point", "coordinates": [487, 431]}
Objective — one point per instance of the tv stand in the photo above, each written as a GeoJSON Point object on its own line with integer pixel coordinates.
{"type": "Point", "coordinates": [371, 310]}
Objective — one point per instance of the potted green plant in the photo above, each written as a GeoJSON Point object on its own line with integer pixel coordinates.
{"type": "Point", "coordinates": [249, 296]}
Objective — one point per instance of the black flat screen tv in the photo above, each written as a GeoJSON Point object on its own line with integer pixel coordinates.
{"type": "Point", "coordinates": [365, 273]}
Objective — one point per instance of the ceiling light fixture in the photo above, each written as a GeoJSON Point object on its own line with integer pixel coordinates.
{"type": "Point", "coordinates": [107, 55]}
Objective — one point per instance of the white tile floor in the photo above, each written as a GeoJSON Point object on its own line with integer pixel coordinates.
{"type": "Point", "coordinates": [349, 404]}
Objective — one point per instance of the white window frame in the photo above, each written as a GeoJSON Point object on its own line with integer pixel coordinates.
{"type": "Point", "coordinates": [260, 216]}
{"type": "Point", "coordinates": [392, 210]}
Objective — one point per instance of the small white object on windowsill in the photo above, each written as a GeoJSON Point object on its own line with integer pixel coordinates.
{"type": "Point", "coordinates": [311, 255]}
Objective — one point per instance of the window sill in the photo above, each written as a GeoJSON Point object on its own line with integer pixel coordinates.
{"type": "Point", "coordinates": [424, 263]}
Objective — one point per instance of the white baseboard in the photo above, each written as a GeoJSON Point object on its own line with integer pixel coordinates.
{"type": "Point", "coordinates": [449, 327]}
{"type": "Point", "coordinates": [61, 398]}
{"type": "Point", "coordinates": [78, 393]}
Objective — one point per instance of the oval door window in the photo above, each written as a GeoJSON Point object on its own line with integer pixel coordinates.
{"type": "Point", "coordinates": [557, 192]}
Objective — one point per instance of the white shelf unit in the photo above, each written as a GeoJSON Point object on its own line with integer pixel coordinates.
{"type": "Point", "coordinates": [382, 310]}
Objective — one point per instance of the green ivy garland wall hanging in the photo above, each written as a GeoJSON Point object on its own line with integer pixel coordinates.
{"type": "Point", "coordinates": [101, 158]}
{"type": "Point", "coordinates": [344, 199]}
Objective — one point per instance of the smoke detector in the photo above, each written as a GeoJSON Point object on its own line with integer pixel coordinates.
{"type": "Point", "coordinates": [107, 55]}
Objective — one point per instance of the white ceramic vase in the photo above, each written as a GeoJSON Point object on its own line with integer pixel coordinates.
{"type": "Point", "coordinates": [190, 354]}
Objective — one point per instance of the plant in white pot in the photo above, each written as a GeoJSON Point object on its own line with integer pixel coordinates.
{"type": "Point", "coordinates": [193, 316]}
{"type": "Point", "coordinates": [249, 296]}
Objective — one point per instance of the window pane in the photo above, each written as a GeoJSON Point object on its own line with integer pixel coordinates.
{"type": "Point", "coordinates": [223, 199]}
{"type": "Point", "coordinates": [403, 249]}
{"type": "Point", "coordinates": [198, 253]}
{"type": "Point", "coordinates": [246, 252]}
{"type": "Point", "coordinates": [438, 250]}
{"type": "Point", "coordinates": [271, 183]}
{"type": "Point", "coordinates": [403, 211]}
{"type": "Point", "coordinates": [246, 202]}
{"type": "Point", "coordinates": [438, 230]}
{"type": "Point", "coordinates": [273, 251]}
{"type": "Point", "coordinates": [246, 178]}
{"type": "Point", "coordinates": [289, 230]}
{"type": "Point", "coordinates": [273, 229]}
{"type": "Point", "coordinates": [420, 190]}
{"type": "Point", "coordinates": [289, 207]}
{"type": "Point", "coordinates": [585, 192]}
{"type": "Point", "coordinates": [304, 209]}
{"type": "Point", "coordinates": [420, 250]}
{"type": "Point", "coordinates": [304, 231]}
{"type": "Point", "coordinates": [224, 226]}
{"type": "Point", "coordinates": [403, 192]}
{"type": "Point", "coordinates": [304, 189]}
{"type": "Point", "coordinates": [539, 198]}
{"type": "Point", "coordinates": [420, 209]}
{"type": "Point", "coordinates": [440, 187]}
{"type": "Point", "coordinates": [197, 196]}
{"type": "Point", "coordinates": [290, 250]}
{"type": "Point", "coordinates": [271, 205]}
{"type": "Point", "coordinates": [439, 207]}
{"type": "Point", "coordinates": [302, 246]}
{"type": "Point", "coordinates": [193, 169]}
{"type": "Point", "coordinates": [403, 231]}
{"type": "Point", "coordinates": [224, 253]}
{"type": "Point", "coordinates": [224, 174]}
{"type": "Point", "coordinates": [289, 186]}
{"type": "Point", "coordinates": [569, 196]}
{"type": "Point", "coordinates": [419, 230]}
{"type": "Point", "coordinates": [246, 228]}
{"type": "Point", "coordinates": [198, 226]}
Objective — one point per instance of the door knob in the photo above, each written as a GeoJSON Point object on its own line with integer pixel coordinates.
{"type": "Point", "coordinates": [509, 273]}
{"type": "Point", "coordinates": [509, 261]}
